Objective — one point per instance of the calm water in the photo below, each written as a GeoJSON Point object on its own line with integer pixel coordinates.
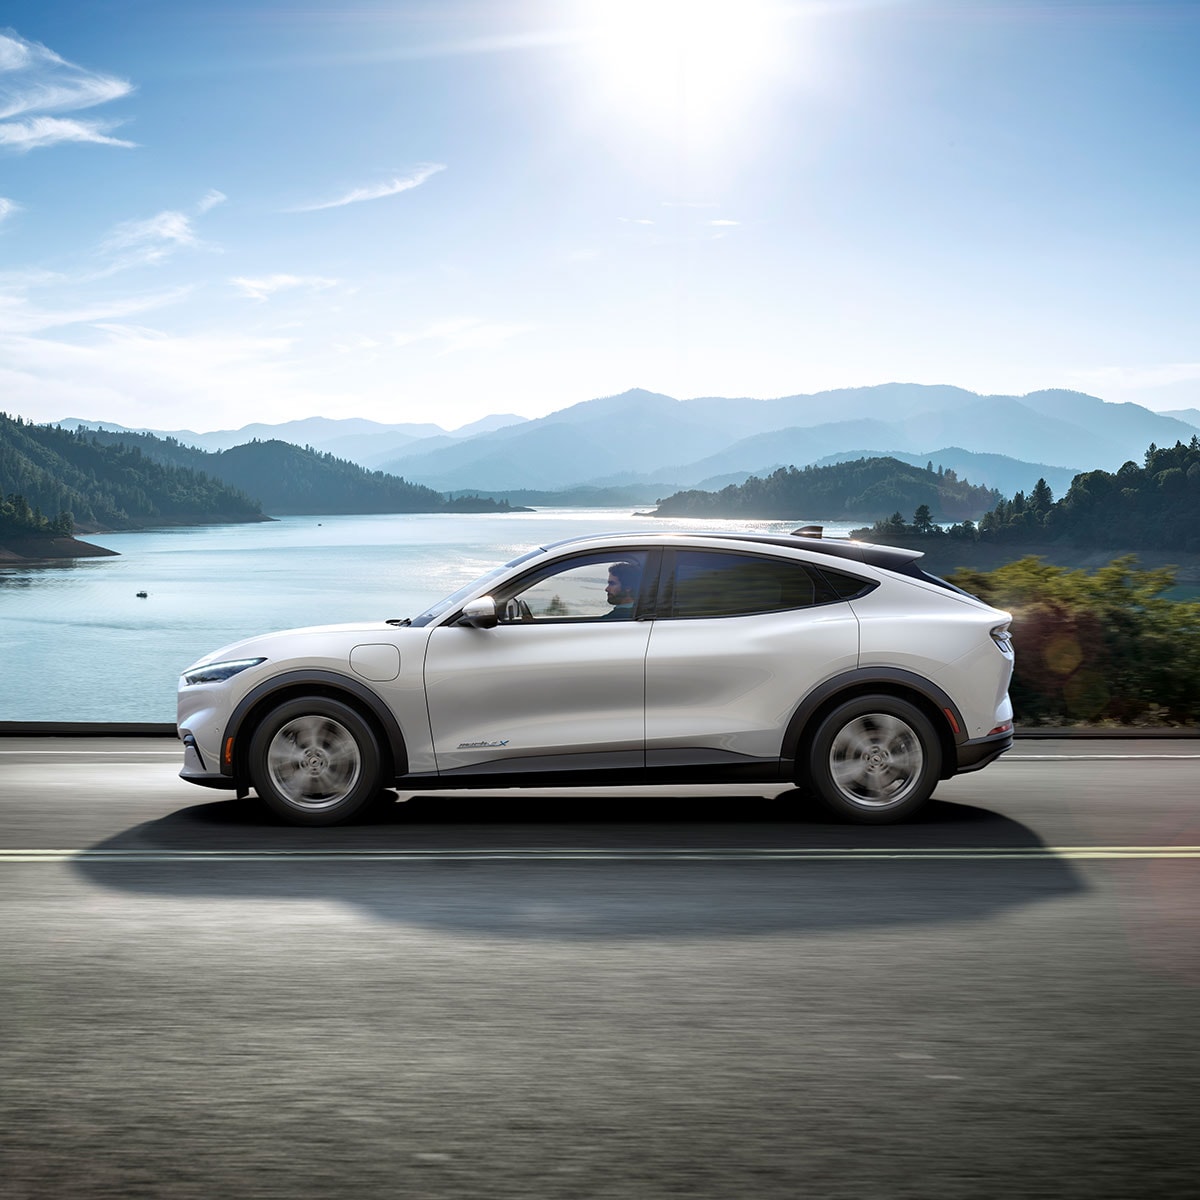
{"type": "Point", "coordinates": [77, 644]}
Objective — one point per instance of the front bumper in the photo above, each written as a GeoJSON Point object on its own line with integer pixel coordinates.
{"type": "Point", "coordinates": [975, 754]}
{"type": "Point", "coordinates": [195, 770]}
{"type": "Point", "coordinates": [210, 781]}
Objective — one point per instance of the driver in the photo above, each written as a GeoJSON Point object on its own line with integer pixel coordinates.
{"type": "Point", "coordinates": [621, 590]}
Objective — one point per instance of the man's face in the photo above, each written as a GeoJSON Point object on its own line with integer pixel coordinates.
{"type": "Point", "coordinates": [616, 592]}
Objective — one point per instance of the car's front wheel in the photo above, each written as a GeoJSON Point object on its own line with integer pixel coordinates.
{"type": "Point", "coordinates": [875, 759]}
{"type": "Point", "coordinates": [315, 761]}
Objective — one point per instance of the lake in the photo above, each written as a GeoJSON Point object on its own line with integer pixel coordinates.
{"type": "Point", "coordinates": [78, 644]}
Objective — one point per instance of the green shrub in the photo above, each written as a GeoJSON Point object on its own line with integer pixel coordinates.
{"type": "Point", "coordinates": [1099, 647]}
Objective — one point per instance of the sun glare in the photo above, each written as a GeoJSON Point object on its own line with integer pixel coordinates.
{"type": "Point", "coordinates": [686, 67]}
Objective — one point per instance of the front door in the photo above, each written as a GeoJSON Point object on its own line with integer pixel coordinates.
{"type": "Point", "coordinates": [558, 684]}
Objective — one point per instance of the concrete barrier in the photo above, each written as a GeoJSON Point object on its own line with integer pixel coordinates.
{"type": "Point", "coordinates": [88, 729]}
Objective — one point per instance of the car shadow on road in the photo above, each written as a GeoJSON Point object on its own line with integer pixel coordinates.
{"type": "Point", "coordinates": [599, 867]}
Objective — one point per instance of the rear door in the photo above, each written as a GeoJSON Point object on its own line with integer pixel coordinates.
{"type": "Point", "coordinates": [738, 640]}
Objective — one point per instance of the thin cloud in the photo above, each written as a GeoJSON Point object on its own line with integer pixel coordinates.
{"type": "Point", "coordinates": [149, 241]}
{"type": "Point", "coordinates": [262, 289]}
{"type": "Point", "coordinates": [636, 220]}
{"type": "Point", "coordinates": [377, 191]}
{"type": "Point", "coordinates": [7, 208]}
{"type": "Point", "coordinates": [49, 131]}
{"type": "Point", "coordinates": [210, 200]}
{"type": "Point", "coordinates": [463, 333]}
{"type": "Point", "coordinates": [1152, 375]}
{"type": "Point", "coordinates": [717, 223]}
{"type": "Point", "coordinates": [20, 317]}
{"type": "Point", "coordinates": [154, 238]}
{"type": "Point", "coordinates": [34, 81]}
{"type": "Point", "coordinates": [133, 374]}
{"type": "Point", "coordinates": [467, 47]}
{"type": "Point", "coordinates": [358, 345]}
{"type": "Point", "coordinates": [28, 277]}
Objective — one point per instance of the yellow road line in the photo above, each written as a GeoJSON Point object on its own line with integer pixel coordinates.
{"type": "Point", "coordinates": [861, 853]}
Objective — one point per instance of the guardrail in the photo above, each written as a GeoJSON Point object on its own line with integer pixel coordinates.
{"type": "Point", "coordinates": [88, 729]}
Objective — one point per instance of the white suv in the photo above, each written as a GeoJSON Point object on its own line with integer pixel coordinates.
{"type": "Point", "coordinates": [633, 658]}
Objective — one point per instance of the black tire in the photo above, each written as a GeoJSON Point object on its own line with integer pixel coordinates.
{"type": "Point", "coordinates": [874, 760]}
{"type": "Point", "coordinates": [315, 761]}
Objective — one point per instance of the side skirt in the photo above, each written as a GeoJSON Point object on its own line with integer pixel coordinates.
{"type": "Point", "coordinates": [769, 771]}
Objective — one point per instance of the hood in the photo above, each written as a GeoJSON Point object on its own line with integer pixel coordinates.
{"type": "Point", "coordinates": [263, 645]}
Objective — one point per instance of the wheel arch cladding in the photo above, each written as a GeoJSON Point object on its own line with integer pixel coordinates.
{"type": "Point", "coordinates": [296, 684]}
{"type": "Point", "coordinates": [903, 685]}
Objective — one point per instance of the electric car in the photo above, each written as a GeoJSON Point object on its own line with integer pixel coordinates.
{"type": "Point", "coordinates": [648, 658]}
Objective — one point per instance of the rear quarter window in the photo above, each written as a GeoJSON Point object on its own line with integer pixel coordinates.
{"type": "Point", "coordinates": [840, 586]}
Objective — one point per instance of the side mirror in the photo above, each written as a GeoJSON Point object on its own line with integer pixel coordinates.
{"type": "Point", "coordinates": [479, 613]}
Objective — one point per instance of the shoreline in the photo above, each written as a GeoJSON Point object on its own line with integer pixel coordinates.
{"type": "Point", "coordinates": [944, 555]}
{"type": "Point", "coordinates": [41, 549]}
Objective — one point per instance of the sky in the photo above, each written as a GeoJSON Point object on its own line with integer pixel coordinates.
{"type": "Point", "coordinates": [213, 213]}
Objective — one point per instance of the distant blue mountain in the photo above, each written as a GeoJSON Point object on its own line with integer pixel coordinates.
{"type": "Point", "coordinates": [641, 437]}
{"type": "Point", "coordinates": [367, 443]}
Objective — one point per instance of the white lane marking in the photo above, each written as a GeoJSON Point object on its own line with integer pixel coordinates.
{"type": "Point", "coordinates": [1088, 757]}
{"type": "Point", "coordinates": [174, 752]}
{"type": "Point", "coordinates": [582, 855]}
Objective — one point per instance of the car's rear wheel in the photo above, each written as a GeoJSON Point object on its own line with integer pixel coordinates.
{"type": "Point", "coordinates": [315, 761]}
{"type": "Point", "coordinates": [875, 759]}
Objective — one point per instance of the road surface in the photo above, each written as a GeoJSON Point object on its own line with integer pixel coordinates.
{"type": "Point", "coordinates": [612, 994]}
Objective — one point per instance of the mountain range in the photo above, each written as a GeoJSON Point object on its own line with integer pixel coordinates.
{"type": "Point", "coordinates": [368, 443]}
{"type": "Point", "coordinates": [647, 439]}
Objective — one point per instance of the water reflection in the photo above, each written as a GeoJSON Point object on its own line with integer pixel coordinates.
{"type": "Point", "coordinates": [27, 574]}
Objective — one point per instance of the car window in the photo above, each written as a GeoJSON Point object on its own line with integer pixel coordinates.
{"type": "Point", "coordinates": [844, 587]}
{"type": "Point", "coordinates": [714, 584]}
{"type": "Point", "coordinates": [448, 602]}
{"type": "Point", "coordinates": [591, 588]}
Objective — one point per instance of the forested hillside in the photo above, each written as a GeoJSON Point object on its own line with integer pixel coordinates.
{"type": "Point", "coordinates": [52, 480]}
{"type": "Point", "coordinates": [293, 479]}
{"type": "Point", "coordinates": [1156, 506]}
{"type": "Point", "coordinates": [1152, 507]}
{"type": "Point", "coordinates": [857, 490]}
{"type": "Point", "coordinates": [289, 479]}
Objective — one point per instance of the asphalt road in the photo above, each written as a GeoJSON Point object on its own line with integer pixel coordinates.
{"type": "Point", "coordinates": [612, 994]}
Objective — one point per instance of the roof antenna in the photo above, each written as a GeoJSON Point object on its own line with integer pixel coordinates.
{"type": "Point", "coordinates": [812, 531]}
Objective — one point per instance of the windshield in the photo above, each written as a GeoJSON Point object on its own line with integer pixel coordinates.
{"type": "Point", "coordinates": [456, 597]}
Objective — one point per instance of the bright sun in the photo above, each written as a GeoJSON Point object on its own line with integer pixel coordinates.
{"type": "Point", "coordinates": [683, 66]}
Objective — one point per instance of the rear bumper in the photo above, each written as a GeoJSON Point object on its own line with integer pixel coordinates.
{"type": "Point", "coordinates": [978, 752]}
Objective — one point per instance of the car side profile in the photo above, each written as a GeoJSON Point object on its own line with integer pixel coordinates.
{"type": "Point", "coordinates": [650, 658]}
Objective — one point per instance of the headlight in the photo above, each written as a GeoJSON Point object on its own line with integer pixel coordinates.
{"type": "Point", "coordinates": [219, 672]}
{"type": "Point", "coordinates": [1002, 636]}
